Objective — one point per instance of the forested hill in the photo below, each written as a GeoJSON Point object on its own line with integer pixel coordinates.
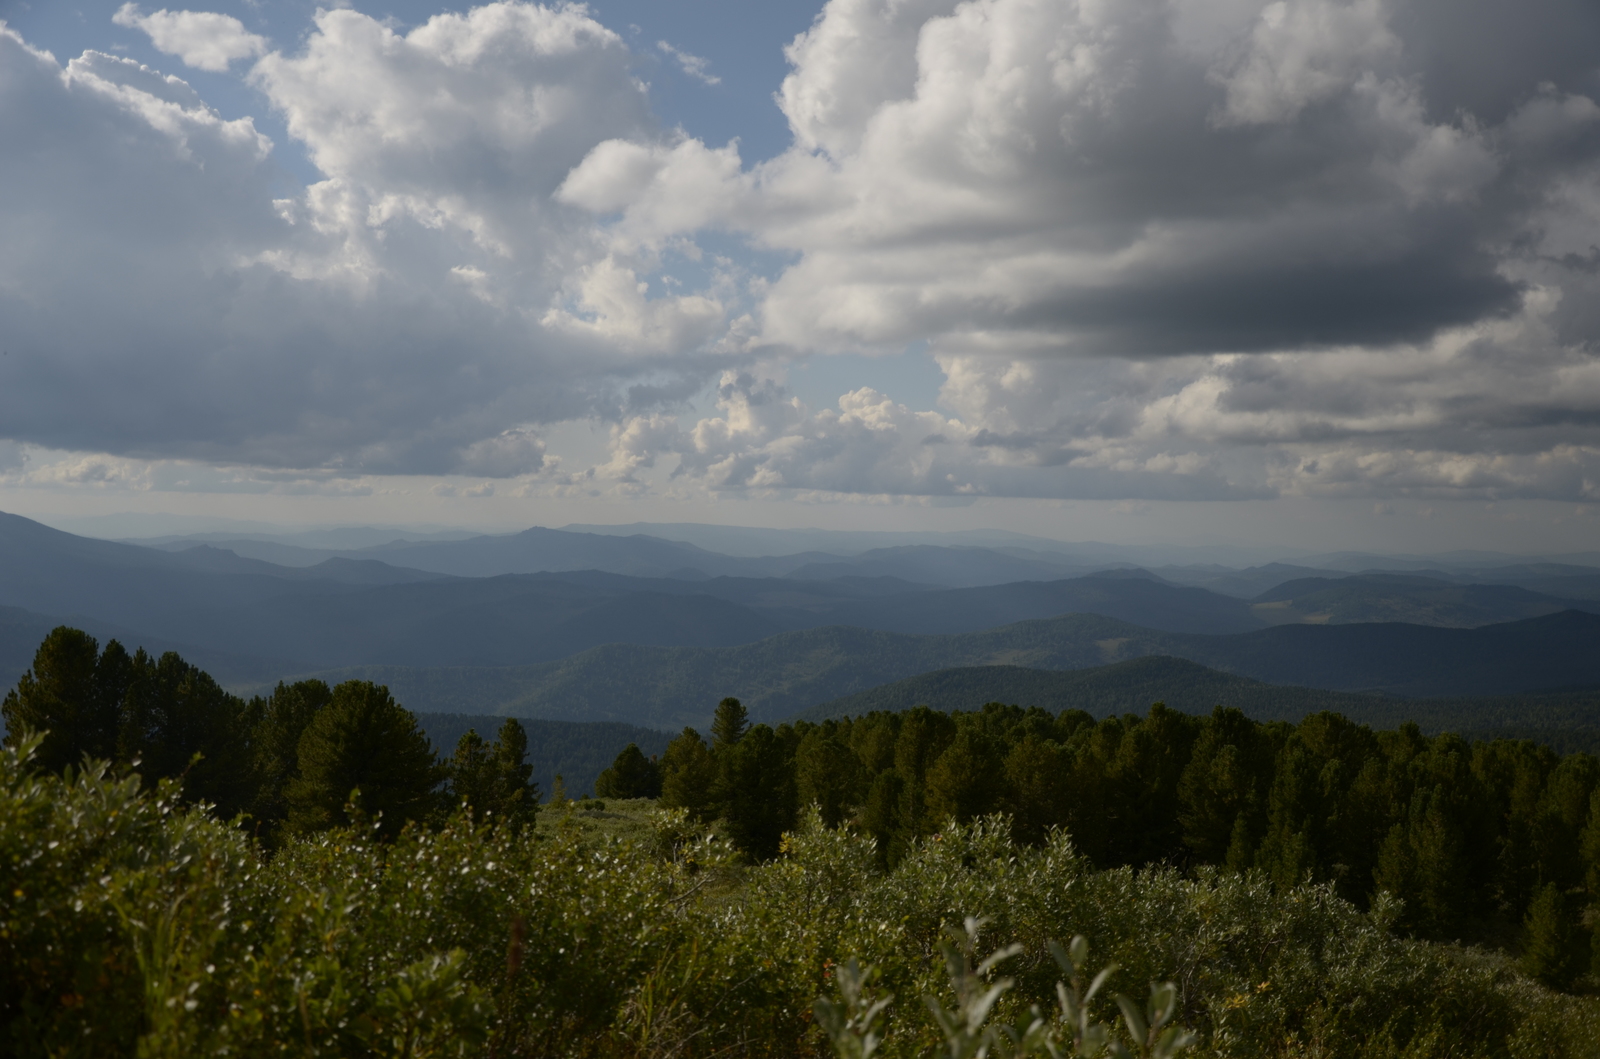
{"type": "Point", "coordinates": [1566, 721]}
{"type": "Point", "coordinates": [780, 676]}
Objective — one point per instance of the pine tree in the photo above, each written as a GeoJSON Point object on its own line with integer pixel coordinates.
{"type": "Point", "coordinates": [1288, 851]}
{"type": "Point", "coordinates": [1224, 783]}
{"type": "Point", "coordinates": [66, 695]}
{"type": "Point", "coordinates": [470, 774]}
{"type": "Point", "coordinates": [1036, 792]}
{"type": "Point", "coordinates": [924, 734]}
{"type": "Point", "coordinates": [880, 817]}
{"type": "Point", "coordinates": [965, 781]}
{"type": "Point", "coordinates": [494, 780]}
{"type": "Point", "coordinates": [179, 722]}
{"type": "Point", "coordinates": [756, 792]}
{"type": "Point", "coordinates": [729, 725]}
{"type": "Point", "coordinates": [688, 776]}
{"type": "Point", "coordinates": [518, 793]}
{"type": "Point", "coordinates": [631, 775]}
{"type": "Point", "coordinates": [275, 746]}
{"type": "Point", "coordinates": [363, 741]}
{"type": "Point", "coordinates": [827, 775]}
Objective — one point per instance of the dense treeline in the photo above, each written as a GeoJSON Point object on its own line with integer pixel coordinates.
{"type": "Point", "coordinates": [1478, 840]}
{"type": "Point", "coordinates": [1570, 718]}
{"type": "Point", "coordinates": [302, 759]}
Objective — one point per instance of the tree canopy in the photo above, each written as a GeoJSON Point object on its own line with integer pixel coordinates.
{"type": "Point", "coordinates": [363, 741]}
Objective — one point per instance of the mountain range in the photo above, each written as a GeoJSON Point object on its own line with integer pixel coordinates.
{"type": "Point", "coordinates": [781, 676]}
{"type": "Point", "coordinates": [646, 630]}
{"type": "Point", "coordinates": [1132, 686]}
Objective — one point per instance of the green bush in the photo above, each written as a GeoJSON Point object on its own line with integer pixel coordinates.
{"type": "Point", "coordinates": [132, 924]}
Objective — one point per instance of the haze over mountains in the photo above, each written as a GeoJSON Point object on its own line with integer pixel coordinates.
{"type": "Point", "coordinates": [784, 675]}
{"type": "Point", "coordinates": [647, 630]}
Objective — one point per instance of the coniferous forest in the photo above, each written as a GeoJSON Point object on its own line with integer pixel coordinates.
{"type": "Point", "coordinates": [190, 873]}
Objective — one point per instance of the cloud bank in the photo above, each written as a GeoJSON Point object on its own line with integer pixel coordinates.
{"type": "Point", "coordinates": [1161, 250]}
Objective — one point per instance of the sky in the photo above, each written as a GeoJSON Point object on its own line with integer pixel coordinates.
{"type": "Point", "coordinates": [1307, 273]}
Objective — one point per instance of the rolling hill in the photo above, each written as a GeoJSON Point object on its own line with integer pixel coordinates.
{"type": "Point", "coordinates": [665, 687]}
{"type": "Point", "coordinates": [1405, 597]}
{"type": "Point", "coordinates": [349, 612]}
{"type": "Point", "coordinates": [1130, 687]}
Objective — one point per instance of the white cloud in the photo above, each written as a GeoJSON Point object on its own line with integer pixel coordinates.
{"type": "Point", "coordinates": [1286, 202]}
{"type": "Point", "coordinates": [391, 318]}
{"type": "Point", "coordinates": [1206, 248]}
{"type": "Point", "coordinates": [201, 39]}
{"type": "Point", "coordinates": [693, 65]}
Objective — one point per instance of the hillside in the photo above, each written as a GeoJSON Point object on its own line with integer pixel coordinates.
{"type": "Point", "coordinates": [1405, 597]}
{"type": "Point", "coordinates": [350, 612]}
{"type": "Point", "coordinates": [1139, 600]}
{"type": "Point", "coordinates": [1102, 691]}
{"type": "Point", "coordinates": [786, 674]}
{"type": "Point", "coordinates": [1564, 720]}
{"type": "Point", "coordinates": [1415, 661]}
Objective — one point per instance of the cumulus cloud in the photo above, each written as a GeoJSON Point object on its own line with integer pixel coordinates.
{"type": "Point", "coordinates": [420, 309]}
{"type": "Point", "coordinates": [1200, 248]}
{"type": "Point", "coordinates": [1260, 247]}
{"type": "Point", "coordinates": [201, 39]}
{"type": "Point", "coordinates": [765, 440]}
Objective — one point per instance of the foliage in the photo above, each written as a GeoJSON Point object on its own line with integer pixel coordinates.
{"type": "Point", "coordinates": [276, 747]}
{"type": "Point", "coordinates": [1278, 876]}
{"type": "Point", "coordinates": [1554, 952]}
{"type": "Point", "coordinates": [487, 940]}
{"type": "Point", "coordinates": [631, 775]}
{"type": "Point", "coordinates": [164, 712]}
{"type": "Point", "coordinates": [363, 741]}
{"type": "Point", "coordinates": [1464, 834]}
{"type": "Point", "coordinates": [688, 776]}
{"type": "Point", "coordinates": [578, 750]}
{"type": "Point", "coordinates": [72, 696]}
{"type": "Point", "coordinates": [494, 780]}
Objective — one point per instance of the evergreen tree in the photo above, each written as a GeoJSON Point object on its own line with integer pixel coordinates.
{"type": "Point", "coordinates": [363, 741]}
{"type": "Point", "coordinates": [729, 725]}
{"type": "Point", "coordinates": [1223, 788]}
{"type": "Point", "coordinates": [1560, 820]}
{"type": "Point", "coordinates": [494, 780]}
{"type": "Point", "coordinates": [1036, 789]}
{"type": "Point", "coordinates": [756, 792]}
{"type": "Point", "coordinates": [1589, 848]}
{"type": "Point", "coordinates": [179, 722]}
{"type": "Point", "coordinates": [924, 734]}
{"type": "Point", "coordinates": [880, 817]}
{"type": "Point", "coordinates": [966, 781]}
{"type": "Point", "coordinates": [72, 696]}
{"type": "Point", "coordinates": [518, 793]}
{"type": "Point", "coordinates": [631, 775]}
{"type": "Point", "coordinates": [284, 716]}
{"type": "Point", "coordinates": [1144, 777]}
{"type": "Point", "coordinates": [688, 776]}
{"type": "Point", "coordinates": [1288, 852]}
{"type": "Point", "coordinates": [827, 774]}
